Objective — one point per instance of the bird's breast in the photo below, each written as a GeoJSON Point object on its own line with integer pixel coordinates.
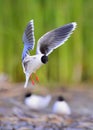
{"type": "Point", "coordinates": [34, 64]}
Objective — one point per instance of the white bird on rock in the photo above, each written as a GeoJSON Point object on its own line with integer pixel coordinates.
{"type": "Point", "coordinates": [61, 107]}
{"type": "Point", "coordinates": [46, 44]}
{"type": "Point", "coordinates": [37, 102]}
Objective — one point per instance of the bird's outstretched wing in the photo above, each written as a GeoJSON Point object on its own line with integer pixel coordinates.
{"type": "Point", "coordinates": [55, 38]}
{"type": "Point", "coordinates": [28, 39]}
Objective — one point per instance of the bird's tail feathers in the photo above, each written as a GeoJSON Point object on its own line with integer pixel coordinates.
{"type": "Point", "coordinates": [27, 79]}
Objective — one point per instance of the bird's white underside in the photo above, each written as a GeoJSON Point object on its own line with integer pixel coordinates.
{"type": "Point", "coordinates": [37, 102]}
{"type": "Point", "coordinates": [35, 61]}
{"type": "Point", "coordinates": [61, 108]}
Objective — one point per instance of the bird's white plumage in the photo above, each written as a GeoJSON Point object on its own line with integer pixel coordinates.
{"type": "Point", "coordinates": [31, 64]}
{"type": "Point", "coordinates": [37, 102]}
{"type": "Point", "coordinates": [46, 44]}
{"type": "Point", "coordinates": [61, 107]}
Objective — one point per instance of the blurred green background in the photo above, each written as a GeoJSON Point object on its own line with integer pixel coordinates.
{"type": "Point", "coordinates": [72, 62]}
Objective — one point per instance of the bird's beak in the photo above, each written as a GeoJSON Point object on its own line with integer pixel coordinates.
{"type": "Point", "coordinates": [26, 82]}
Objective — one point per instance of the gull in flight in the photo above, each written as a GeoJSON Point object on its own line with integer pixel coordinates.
{"type": "Point", "coordinates": [45, 45]}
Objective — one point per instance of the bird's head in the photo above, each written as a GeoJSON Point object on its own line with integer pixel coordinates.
{"type": "Point", "coordinates": [61, 98]}
{"type": "Point", "coordinates": [44, 59]}
{"type": "Point", "coordinates": [27, 95]}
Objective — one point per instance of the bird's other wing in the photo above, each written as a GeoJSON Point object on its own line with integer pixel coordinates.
{"type": "Point", "coordinates": [28, 39]}
{"type": "Point", "coordinates": [55, 38]}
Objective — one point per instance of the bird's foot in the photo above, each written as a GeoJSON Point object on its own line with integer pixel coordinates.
{"type": "Point", "coordinates": [32, 81]}
{"type": "Point", "coordinates": [37, 79]}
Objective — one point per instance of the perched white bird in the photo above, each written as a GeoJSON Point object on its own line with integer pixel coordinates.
{"type": "Point", "coordinates": [46, 44]}
{"type": "Point", "coordinates": [61, 107]}
{"type": "Point", "coordinates": [37, 102]}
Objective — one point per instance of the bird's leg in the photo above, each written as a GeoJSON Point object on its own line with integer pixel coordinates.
{"type": "Point", "coordinates": [32, 81]}
{"type": "Point", "coordinates": [37, 79]}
